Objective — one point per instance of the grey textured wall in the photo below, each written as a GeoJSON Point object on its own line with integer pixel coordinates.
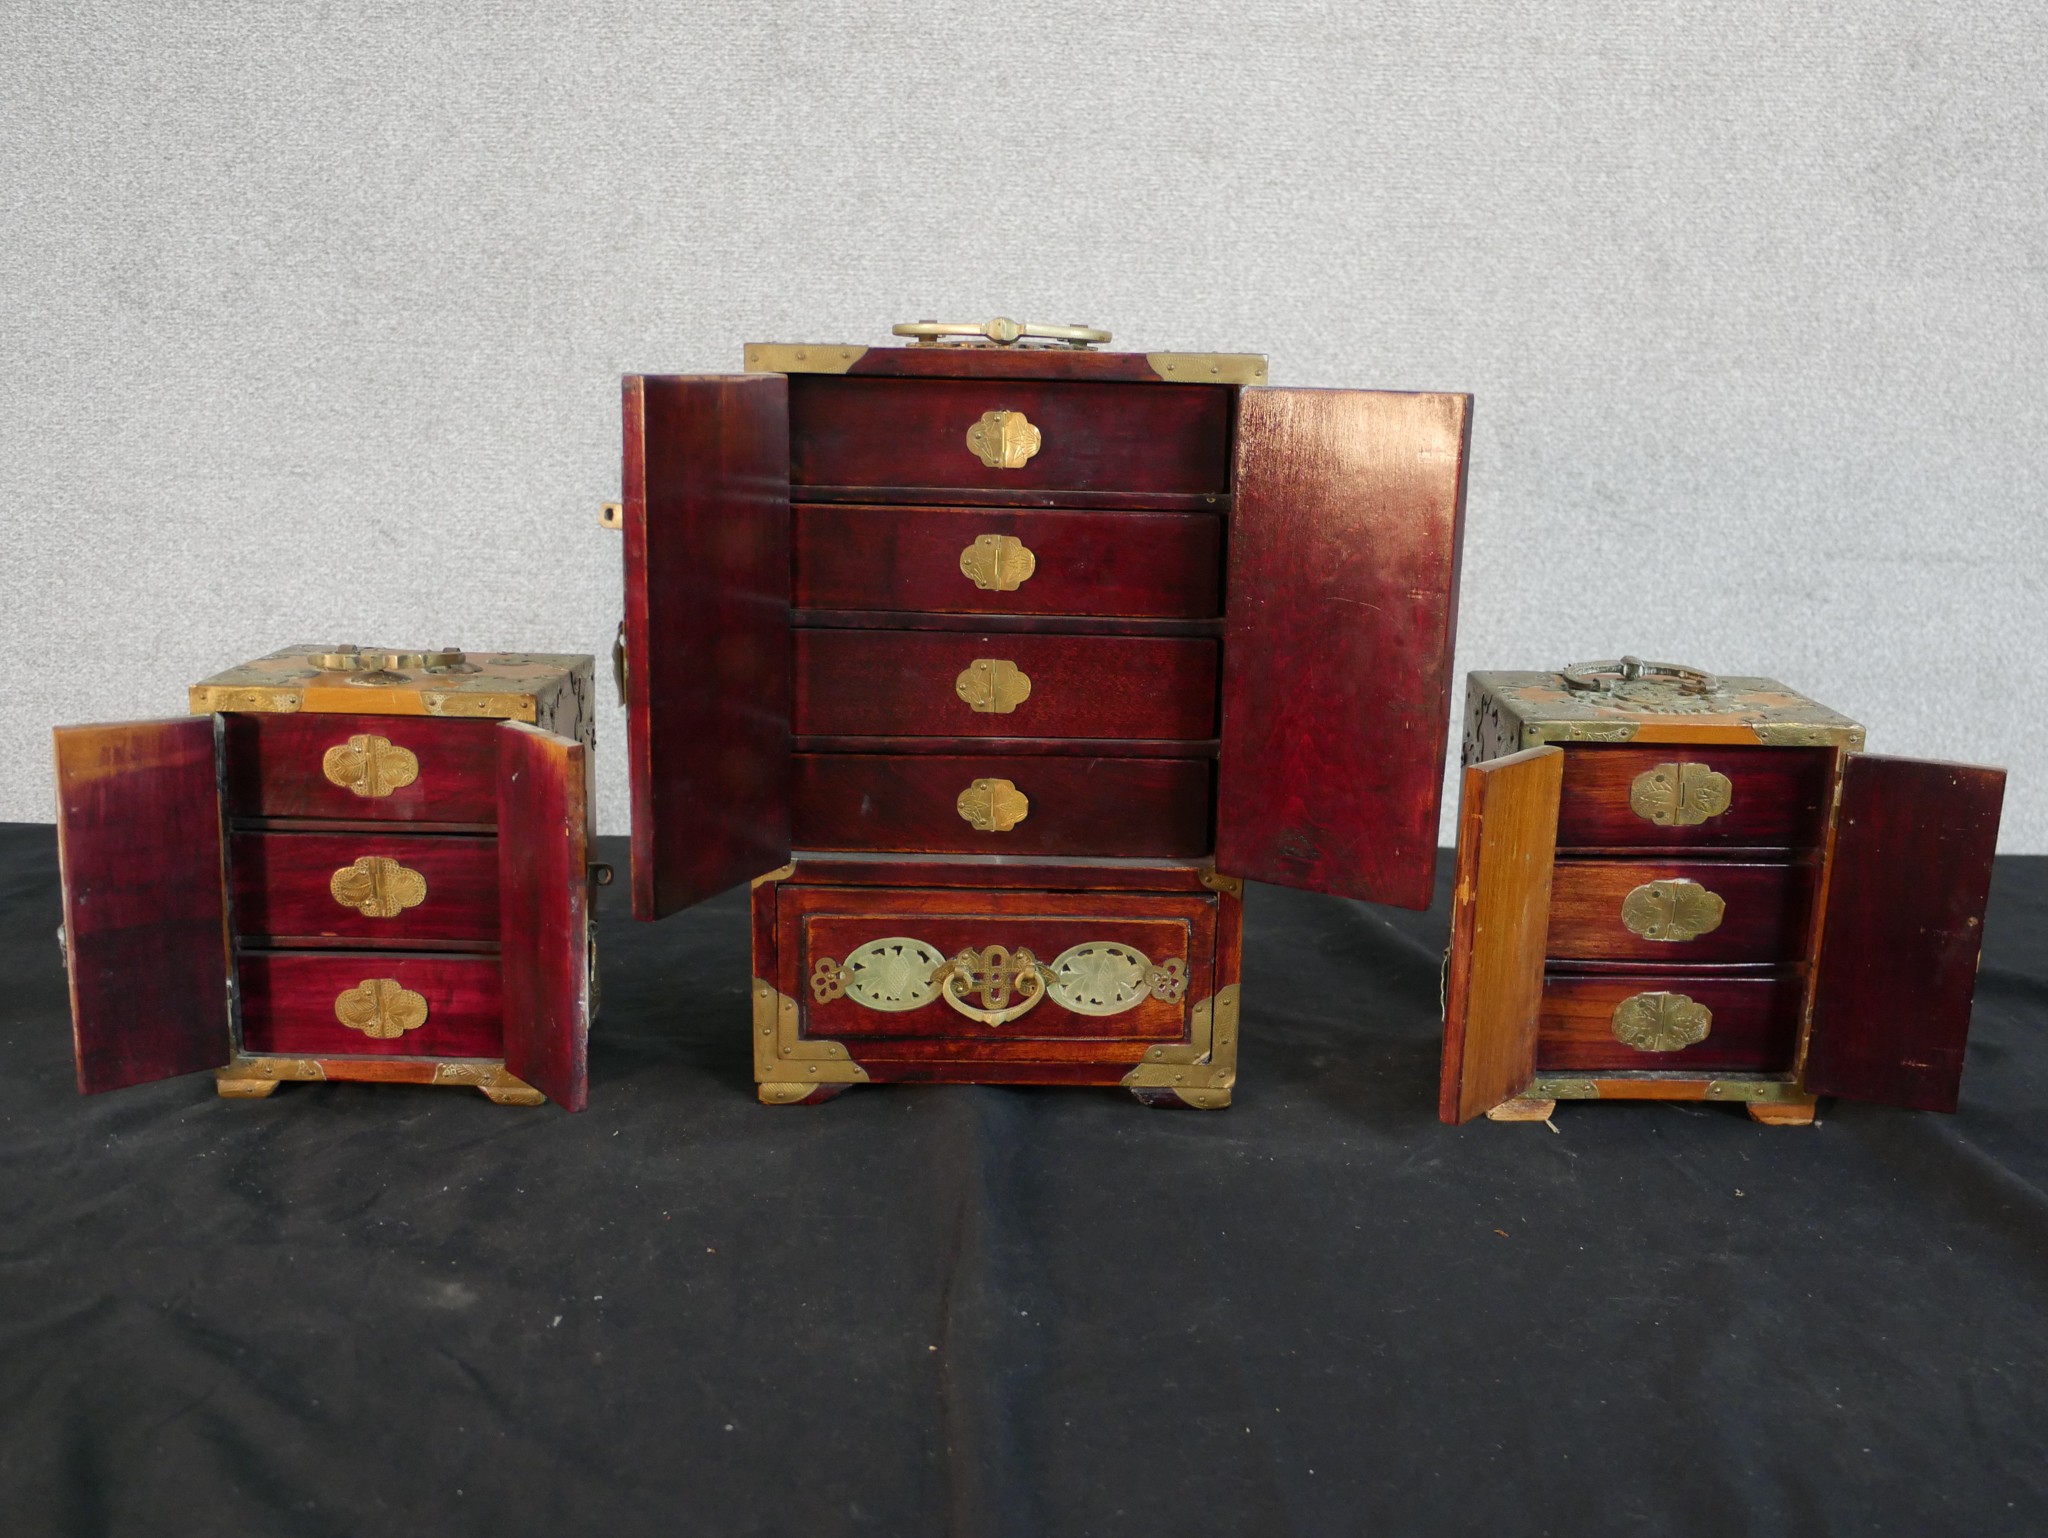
{"type": "Point", "coordinates": [311, 321]}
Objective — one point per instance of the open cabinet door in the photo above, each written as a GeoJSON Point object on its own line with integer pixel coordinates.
{"type": "Point", "coordinates": [1500, 916]}
{"type": "Point", "coordinates": [1340, 611]}
{"type": "Point", "coordinates": [544, 911]}
{"type": "Point", "coordinates": [145, 900]}
{"type": "Point", "coordinates": [1901, 928]}
{"type": "Point", "coordinates": [707, 663]}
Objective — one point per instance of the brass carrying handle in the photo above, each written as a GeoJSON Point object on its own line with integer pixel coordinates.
{"type": "Point", "coordinates": [993, 973]}
{"type": "Point", "coordinates": [1627, 670]}
{"type": "Point", "coordinates": [1002, 331]}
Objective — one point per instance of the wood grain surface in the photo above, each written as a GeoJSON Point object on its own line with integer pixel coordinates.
{"type": "Point", "coordinates": [273, 768]}
{"type": "Point", "coordinates": [1779, 798]}
{"type": "Point", "coordinates": [283, 886]}
{"type": "Point", "coordinates": [1341, 611]}
{"type": "Point", "coordinates": [1755, 1026]}
{"type": "Point", "coordinates": [1766, 915]}
{"type": "Point", "coordinates": [288, 1003]}
{"type": "Point", "coordinates": [544, 885]}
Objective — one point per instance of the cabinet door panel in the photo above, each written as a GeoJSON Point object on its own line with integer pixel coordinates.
{"type": "Point", "coordinates": [544, 887]}
{"type": "Point", "coordinates": [1340, 609]}
{"type": "Point", "coordinates": [1902, 927]}
{"type": "Point", "coordinates": [145, 899]}
{"type": "Point", "coordinates": [706, 480]}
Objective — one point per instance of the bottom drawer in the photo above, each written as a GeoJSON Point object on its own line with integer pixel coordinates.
{"type": "Point", "coordinates": [358, 1003]}
{"type": "Point", "coordinates": [1687, 1022]}
{"type": "Point", "coordinates": [887, 969]}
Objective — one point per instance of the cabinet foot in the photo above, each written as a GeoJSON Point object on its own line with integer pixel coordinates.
{"type": "Point", "coordinates": [800, 1094]}
{"type": "Point", "coordinates": [1166, 1098]}
{"type": "Point", "coordinates": [1522, 1110]}
{"type": "Point", "coordinates": [503, 1089]}
{"type": "Point", "coordinates": [243, 1089]}
{"type": "Point", "coordinates": [1782, 1114]}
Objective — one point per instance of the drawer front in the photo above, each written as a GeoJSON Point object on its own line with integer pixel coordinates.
{"type": "Point", "coordinates": [933, 684]}
{"type": "Point", "coordinates": [371, 887]}
{"type": "Point", "coordinates": [946, 560]}
{"type": "Point", "coordinates": [397, 1006]}
{"type": "Point", "coordinates": [1689, 796]}
{"type": "Point", "coordinates": [1156, 807]}
{"type": "Point", "coordinates": [1045, 435]}
{"type": "Point", "coordinates": [1014, 967]}
{"type": "Point", "coordinates": [1676, 1020]}
{"type": "Point", "coordinates": [1678, 913]}
{"type": "Point", "coordinates": [362, 768]}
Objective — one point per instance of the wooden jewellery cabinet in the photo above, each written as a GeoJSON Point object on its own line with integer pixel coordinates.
{"type": "Point", "coordinates": [997, 666]}
{"type": "Point", "coordinates": [1677, 887]}
{"type": "Point", "coordinates": [344, 864]}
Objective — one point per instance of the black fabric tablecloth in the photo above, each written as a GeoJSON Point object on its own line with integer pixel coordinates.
{"type": "Point", "coordinates": [363, 1309]}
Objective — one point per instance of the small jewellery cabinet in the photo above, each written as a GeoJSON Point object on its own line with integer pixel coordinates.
{"type": "Point", "coordinates": [997, 662]}
{"type": "Point", "coordinates": [1672, 886]}
{"type": "Point", "coordinates": [344, 864]}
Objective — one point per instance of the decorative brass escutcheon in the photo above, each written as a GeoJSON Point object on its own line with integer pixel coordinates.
{"type": "Point", "coordinates": [370, 766]}
{"type": "Point", "coordinates": [993, 806]}
{"type": "Point", "coordinates": [999, 563]}
{"type": "Point", "coordinates": [993, 686]}
{"type": "Point", "coordinates": [1661, 1022]}
{"type": "Point", "coordinates": [1680, 795]}
{"type": "Point", "coordinates": [1004, 440]}
{"type": "Point", "coordinates": [1672, 910]}
{"type": "Point", "coordinates": [378, 887]}
{"type": "Point", "coordinates": [380, 1008]}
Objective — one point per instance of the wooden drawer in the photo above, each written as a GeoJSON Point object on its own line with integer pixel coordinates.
{"type": "Point", "coordinates": [859, 961]}
{"type": "Point", "coordinates": [1157, 807]}
{"type": "Point", "coordinates": [289, 1004]}
{"type": "Point", "coordinates": [362, 768]}
{"type": "Point", "coordinates": [934, 684]}
{"type": "Point", "coordinates": [1117, 564]}
{"type": "Point", "coordinates": [1090, 437]}
{"type": "Point", "coordinates": [1752, 1022]}
{"type": "Point", "coordinates": [1775, 798]}
{"type": "Point", "coordinates": [371, 887]}
{"type": "Point", "coordinates": [1613, 910]}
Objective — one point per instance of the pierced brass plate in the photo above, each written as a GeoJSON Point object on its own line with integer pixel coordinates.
{"type": "Point", "coordinates": [1004, 440]}
{"type": "Point", "coordinates": [993, 686]}
{"type": "Point", "coordinates": [380, 1008]}
{"type": "Point", "coordinates": [890, 975]}
{"type": "Point", "coordinates": [1661, 1022]}
{"type": "Point", "coordinates": [370, 765]}
{"type": "Point", "coordinates": [1680, 795]}
{"type": "Point", "coordinates": [378, 887]}
{"type": "Point", "coordinates": [1672, 910]}
{"type": "Point", "coordinates": [993, 806]}
{"type": "Point", "coordinates": [998, 563]}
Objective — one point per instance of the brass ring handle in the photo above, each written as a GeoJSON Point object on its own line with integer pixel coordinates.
{"type": "Point", "coordinates": [1030, 990]}
{"type": "Point", "coordinates": [1003, 331]}
{"type": "Point", "coordinates": [1627, 670]}
{"type": "Point", "coordinates": [994, 973]}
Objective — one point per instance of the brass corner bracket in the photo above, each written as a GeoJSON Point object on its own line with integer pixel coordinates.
{"type": "Point", "coordinates": [787, 1064]}
{"type": "Point", "coordinates": [1203, 1069]}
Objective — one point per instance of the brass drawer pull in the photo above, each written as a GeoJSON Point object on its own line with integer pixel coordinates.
{"type": "Point", "coordinates": [370, 766]}
{"type": "Point", "coordinates": [380, 1008]}
{"type": "Point", "coordinates": [378, 887]}
{"type": "Point", "coordinates": [1661, 1022]}
{"type": "Point", "coordinates": [1672, 910]}
{"type": "Point", "coordinates": [1679, 795]}
{"type": "Point", "coordinates": [994, 973]}
{"type": "Point", "coordinates": [1004, 440]}
{"type": "Point", "coordinates": [998, 563]}
{"type": "Point", "coordinates": [993, 686]}
{"type": "Point", "coordinates": [993, 806]}
{"type": "Point", "coordinates": [1098, 978]}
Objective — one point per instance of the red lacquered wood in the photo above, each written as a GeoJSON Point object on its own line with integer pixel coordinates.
{"type": "Point", "coordinates": [283, 885]}
{"type": "Point", "coordinates": [1755, 1026]}
{"type": "Point", "coordinates": [886, 683]}
{"type": "Point", "coordinates": [1500, 911]}
{"type": "Point", "coordinates": [1779, 797]}
{"type": "Point", "coordinates": [1908, 883]}
{"type": "Point", "coordinates": [979, 1063]}
{"type": "Point", "coordinates": [544, 881]}
{"type": "Point", "coordinates": [1342, 606]}
{"type": "Point", "coordinates": [707, 633]}
{"type": "Point", "coordinates": [1002, 624]}
{"type": "Point", "coordinates": [1002, 872]}
{"type": "Point", "coordinates": [288, 1003]}
{"type": "Point", "coordinates": [145, 903]}
{"type": "Point", "coordinates": [273, 768]}
{"type": "Point", "coordinates": [1059, 747]}
{"type": "Point", "coordinates": [1766, 916]}
{"type": "Point", "coordinates": [913, 432]}
{"type": "Point", "coordinates": [1078, 806]}
{"type": "Point", "coordinates": [967, 496]}
{"type": "Point", "coordinates": [1159, 565]}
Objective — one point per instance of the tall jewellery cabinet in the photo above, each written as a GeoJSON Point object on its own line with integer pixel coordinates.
{"type": "Point", "coordinates": [997, 663]}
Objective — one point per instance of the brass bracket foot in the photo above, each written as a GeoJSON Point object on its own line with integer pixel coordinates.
{"type": "Point", "coordinates": [1522, 1110]}
{"type": "Point", "coordinates": [1782, 1114]}
{"type": "Point", "coordinates": [799, 1094]}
